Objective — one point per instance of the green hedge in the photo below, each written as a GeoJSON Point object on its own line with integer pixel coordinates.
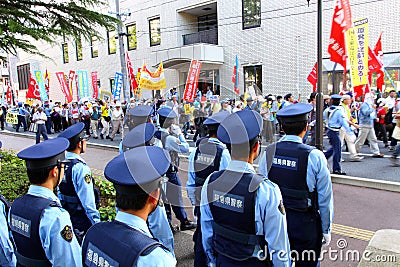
{"type": "Point", "coordinates": [13, 178]}
{"type": "Point", "coordinates": [14, 182]}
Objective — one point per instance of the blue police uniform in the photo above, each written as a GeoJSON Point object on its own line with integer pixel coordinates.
{"type": "Point", "coordinates": [7, 256]}
{"type": "Point", "coordinates": [41, 228]}
{"type": "Point", "coordinates": [232, 198]}
{"type": "Point", "coordinates": [335, 119]}
{"type": "Point", "coordinates": [127, 241]}
{"type": "Point", "coordinates": [76, 191]}
{"type": "Point", "coordinates": [141, 135]}
{"type": "Point", "coordinates": [21, 117]}
{"type": "Point", "coordinates": [209, 156]}
{"type": "Point", "coordinates": [306, 189]}
{"type": "Point", "coordinates": [173, 145]}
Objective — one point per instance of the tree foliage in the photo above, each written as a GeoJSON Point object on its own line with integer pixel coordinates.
{"type": "Point", "coordinates": [43, 20]}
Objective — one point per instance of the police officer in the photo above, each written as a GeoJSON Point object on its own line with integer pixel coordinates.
{"type": "Point", "coordinates": [143, 135]}
{"type": "Point", "coordinates": [335, 119]}
{"type": "Point", "coordinates": [136, 116]}
{"type": "Point", "coordinates": [306, 187]}
{"type": "Point", "coordinates": [211, 155]}
{"type": "Point", "coordinates": [21, 117]}
{"type": "Point", "coordinates": [243, 220]}
{"type": "Point", "coordinates": [127, 241]}
{"type": "Point", "coordinates": [174, 143]}
{"type": "Point", "coordinates": [7, 256]}
{"type": "Point", "coordinates": [41, 228]}
{"type": "Point", "coordinates": [76, 191]}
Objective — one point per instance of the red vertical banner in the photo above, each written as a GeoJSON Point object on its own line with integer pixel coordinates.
{"type": "Point", "coordinates": [64, 86]}
{"type": "Point", "coordinates": [9, 94]}
{"type": "Point", "coordinates": [71, 79]}
{"type": "Point", "coordinates": [313, 77]}
{"type": "Point", "coordinates": [192, 80]}
{"type": "Point", "coordinates": [33, 89]}
{"type": "Point", "coordinates": [131, 76]}
{"type": "Point", "coordinates": [95, 85]}
{"type": "Point", "coordinates": [380, 81]}
{"type": "Point", "coordinates": [341, 22]}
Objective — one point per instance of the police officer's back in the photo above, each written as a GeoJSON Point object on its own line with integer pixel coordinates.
{"type": "Point", "coordinates": [41, 228]}
{"type": "Point", "coordinates": [143, 135]}
{"type": "Point", "coordinates": [303, 176]}
{"type": "Point", "coordinates": [209, 156]}
{"type": "Point", "coordinates": [127, 241]}
{"type": "Point", "coordinates": [76, 191]}
{"type": "Point", "coordinates": [242, 215]}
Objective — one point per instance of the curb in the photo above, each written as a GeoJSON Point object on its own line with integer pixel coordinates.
{"type": "Point", "coordinates": [338, 179]}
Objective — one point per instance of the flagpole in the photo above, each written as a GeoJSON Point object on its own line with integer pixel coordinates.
{"type": "Point", "coordinates": [319, 96]}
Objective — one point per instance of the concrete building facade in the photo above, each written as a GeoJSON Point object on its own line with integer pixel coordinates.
{"type": "Point", "coordinates": [275, 41]}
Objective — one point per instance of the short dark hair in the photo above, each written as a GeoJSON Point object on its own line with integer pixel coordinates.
{"type": "Point", "coordinates": [39, 176]}
{"type": "Point", "coordinates": [335, 101]}
{"type": "Point", "coordinates": [73, 142]}
{"type": "Point", "coordinates": [293, 128]}
{"type": "Point", "coordinates": [131, 201]}
{"type": "Point", "coordinates": [243, 150]}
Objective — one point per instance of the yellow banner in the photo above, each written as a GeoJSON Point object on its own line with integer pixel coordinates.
{"type": "Point", "coordinates": [152, 80]}
{"type": "Point", "coordinates": [357, 51]}
{"type": "Point", "coordinates": [12, 118]}
{"type": "Point", "coordinates": [187, 109]}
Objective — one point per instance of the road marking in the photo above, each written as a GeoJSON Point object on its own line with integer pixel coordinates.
{"type": "Point", "coordinates": [352, 232]}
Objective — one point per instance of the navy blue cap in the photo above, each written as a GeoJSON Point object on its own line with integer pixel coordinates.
{"type": "Point", "coordinates": [138, 136]}
{"type": "Point", "coordinates": [1, 144]}
{"type": "Point", "coordinates": [249, 99]}
{"type": "Point", "coordinates": [336, 96]}
{"type": "Point", "coordinates": [217, 118]}
{"type": "Point", "coordinates": [141, 111]}
{"type": "Point", "coordinates": [73, 130]}
{"type": "Point", "coordinates": [240, 127]}
{"type": "Point", "coordinates": [295, 112]}
{"type": "Point", "coordinates": [45, 154]}
{"type": "Point", "coordinates": [143, 166]}
{"type": "Point", "coordinates": [167, 113]}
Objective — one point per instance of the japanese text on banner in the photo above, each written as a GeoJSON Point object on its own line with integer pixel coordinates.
{"type": "Point", "coordinates": [192, 80]}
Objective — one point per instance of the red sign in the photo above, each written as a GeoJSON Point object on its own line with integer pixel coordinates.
{"type": "Point", "coordinates": [341, 22]}
{"type": "Point", "coordinates": [95, 85]}
{"type": "Point", "coordinates": [9, 94]}
{"type": "Point", "coordinates": [191, 82]}
{"type": "Point", "coordinates": [33, 89]}
{"type": "Point", "coordinates": [132, 80]}
{"type": "Point", "coordinates": [313, 77]}
{"type": "Point", "coordinates": [64, 86]}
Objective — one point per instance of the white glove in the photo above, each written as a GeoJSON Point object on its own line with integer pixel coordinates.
{"type": "Point", "coordinates": [175, 129]}
{"type": "Point", "coordinates": [326, 239]}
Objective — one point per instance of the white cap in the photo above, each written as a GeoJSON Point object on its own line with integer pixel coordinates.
{"type": "Point", "coordinates": [118, 104]}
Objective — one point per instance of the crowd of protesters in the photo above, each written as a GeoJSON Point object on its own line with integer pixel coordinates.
{"type": "Point", "coordinates": [105, 120]}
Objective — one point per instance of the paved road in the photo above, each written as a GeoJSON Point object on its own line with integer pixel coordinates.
{"type": "Point", "coordinates": [359, 212]}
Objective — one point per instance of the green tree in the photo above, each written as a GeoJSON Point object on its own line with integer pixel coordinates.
{"type": "Point", "coordinates": [22, 21]}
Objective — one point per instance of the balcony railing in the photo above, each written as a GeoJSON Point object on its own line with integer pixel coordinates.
{"type": "Point", "coordinates": [208, 37]}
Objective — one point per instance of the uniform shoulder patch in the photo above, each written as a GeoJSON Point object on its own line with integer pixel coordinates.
{"type": "Point", "coordinates": [281, 207]}
{"type": "Point", "coordinates": [67, 233]}
{"type": "Point", "coordinates": [88, 178]}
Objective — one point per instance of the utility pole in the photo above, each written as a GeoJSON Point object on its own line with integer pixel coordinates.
{"type": "Point", "coordinates": [121, 33]}
{"type": "Point", "coordinates": [320, 96]}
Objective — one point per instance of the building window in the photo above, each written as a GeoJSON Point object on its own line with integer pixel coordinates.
{"type": "Point", "coordinates": [112, 42]}
{"type": "Point", "coordinates": [207, 22]}
{"type": "Point", "coordinates": [155, 32]}
{"type": "Point", "coordinates": [253, 80]}
{"type": "Point", "coordinates": [111, 84]}
{"type": "Point", "coordinates": [94, 46]}
{"type": "Point", "coordinates": [251, 13]}
{"type": "Point", "coordinates": [23, 72]}
{"type": "Point", "coordinates": [78, 46]}
{"type": "Point", "coordinates": [64, 47]}
{"type": "Point", "coordinates": [131, 31]}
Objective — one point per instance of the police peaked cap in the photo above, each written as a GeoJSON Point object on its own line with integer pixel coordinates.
{"type": "Point", "coordinates": [240, 127]}
{"type": "Point", "coordinates": [217, 118]}
{"type": "Point", "coordinates": [46, 154]}
{"type": "Point", "coordinates": [141, 111]}
{"type": "Point", "coordinates": [73, 131]}
{"type": "Point", "coordinates": [138, 136]}
{"type": "Point", "coordinates": [167, 113]}
{"type": "Point", "coordinates": [294, 112]}
{"type": "Point", "coordinates": [141, 167]}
